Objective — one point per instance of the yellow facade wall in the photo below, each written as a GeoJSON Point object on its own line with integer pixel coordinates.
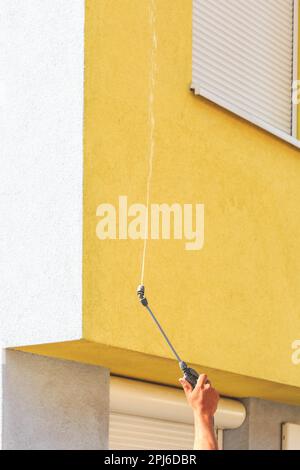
{"type": "Point", "coordinates": [235, 305]}
{"type": "Point", "coordinates": [298, 71]}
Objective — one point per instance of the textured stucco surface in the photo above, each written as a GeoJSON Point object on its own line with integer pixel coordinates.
{"type": "Point", "coordinates": [41, 101]}
{"type": "Point", "coordinates": [234, 306]}
{"type": "Point", "coordinates": [262, 428]}
{"type": "Point", "coordinates": [54, 404]}
{"type": "Point", "coordinates": [41, 174]}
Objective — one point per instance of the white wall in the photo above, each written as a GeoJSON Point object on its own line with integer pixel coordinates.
{"type": "Point", "coordinates": [53, 404]}
{"type": "Point", "coordinates": [41, 114]}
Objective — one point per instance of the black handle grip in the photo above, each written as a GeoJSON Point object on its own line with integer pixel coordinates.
{"type": "Point", "coordinates": [191, 376]}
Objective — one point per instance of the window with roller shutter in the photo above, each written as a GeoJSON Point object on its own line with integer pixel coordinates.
{"type": "Point", "coordinates": [245, 59]}
{"type": "Point", "coordinates": [155, 417]}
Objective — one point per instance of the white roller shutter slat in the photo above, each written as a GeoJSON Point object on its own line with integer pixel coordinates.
{"type": "Point", "coordinates": [278, 91]}
{"type": "Point", "coordinates": [241, 102]}
{"type": "Point", "coordinates": [242, 34]}
{"type": "Point", "coordinates": [136, 432]}
{"type": "Point", "coordinates": [243, 58]}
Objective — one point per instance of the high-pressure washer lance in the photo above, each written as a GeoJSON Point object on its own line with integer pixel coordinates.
{"type": "Point", "coordinates": [189, 374]}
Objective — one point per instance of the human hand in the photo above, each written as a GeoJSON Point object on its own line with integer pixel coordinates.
{"type": "Point", "coordinates": [203, 398]}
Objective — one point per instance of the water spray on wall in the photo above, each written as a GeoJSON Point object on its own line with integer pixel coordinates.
{"type": "Point", "coordinates": [189, 374]}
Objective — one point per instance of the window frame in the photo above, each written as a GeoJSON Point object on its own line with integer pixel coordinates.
{"type": "Point", "coordinates": [291, 139]}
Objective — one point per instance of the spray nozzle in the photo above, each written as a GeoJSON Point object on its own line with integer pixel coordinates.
{"type": "Point", "coordinates": [141, 295]}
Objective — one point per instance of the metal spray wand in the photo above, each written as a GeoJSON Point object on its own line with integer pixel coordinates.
{"type": "Point", "coordinates": [189, 374]}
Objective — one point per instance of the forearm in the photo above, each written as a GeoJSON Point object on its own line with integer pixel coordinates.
{"type": "Point", "coordinates": [205, 438]}
{"type": "Point", "coordinates": [203, 399]}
